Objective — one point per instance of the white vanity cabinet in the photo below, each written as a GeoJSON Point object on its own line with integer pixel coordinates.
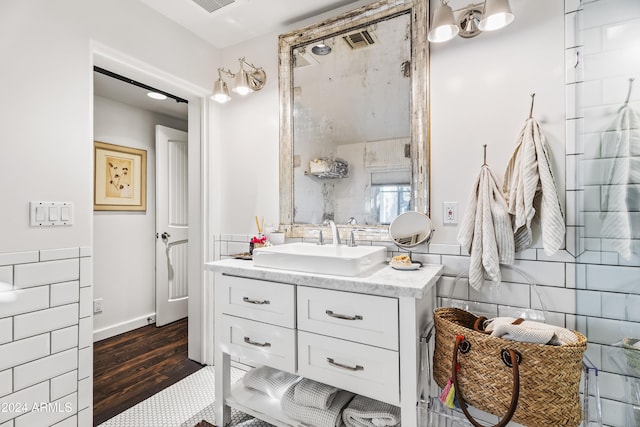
{"type": "Point", "coordinates": [357, 333]}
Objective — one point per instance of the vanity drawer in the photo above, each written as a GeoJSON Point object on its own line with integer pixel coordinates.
{"type": "Point", "coordinates": [367, 319]}
{"type": "Point", "coordinates": [261, 343]}
{"type": "Point", "coordinates": [362, 369]}
{"type": "Point", "coordinates": [257, 300]}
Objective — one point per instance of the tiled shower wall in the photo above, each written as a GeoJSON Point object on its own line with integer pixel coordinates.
{"type": "Point", "coordinates": [602, 39]}
{"type": "Point", "coordinates": [46, 351]}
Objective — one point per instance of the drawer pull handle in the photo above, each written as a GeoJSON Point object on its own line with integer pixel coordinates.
{"type": "Point", "coordinates": [343, 316]}
{"type": "Point", "coordinates": [257, 344]}
{"type": "Point", "coordinates": [347, 367]}
{"type": "Point", "coordinates": [254, 301]}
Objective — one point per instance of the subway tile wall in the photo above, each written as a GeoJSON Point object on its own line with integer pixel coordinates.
{"type": "Point", "coordinates": [46, 348]}
{"type": "Point", "coordinates": [601, 50]}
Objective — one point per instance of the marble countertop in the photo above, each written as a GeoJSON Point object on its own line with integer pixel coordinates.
{"type": "Point", "coordinates": [384, 281]}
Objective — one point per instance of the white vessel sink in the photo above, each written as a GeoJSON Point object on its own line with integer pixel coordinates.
{"type": "Point", "coordinates": [324, 259]}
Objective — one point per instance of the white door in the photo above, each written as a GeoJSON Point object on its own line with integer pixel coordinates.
{"type": "Point", "coordinates": [172, 202]}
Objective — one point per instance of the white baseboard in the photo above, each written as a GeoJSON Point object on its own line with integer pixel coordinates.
{"type": "Point", "coordinates": [120, 328]}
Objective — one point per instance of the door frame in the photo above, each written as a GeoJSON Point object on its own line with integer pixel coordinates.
{"type": "Point", "coordinates": [200, 339]}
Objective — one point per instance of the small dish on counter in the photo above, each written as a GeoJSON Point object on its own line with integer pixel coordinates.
{"type": "Point", "coordinates": [243, 255]}
{"type": "Point", "coordinates": [412, 266]}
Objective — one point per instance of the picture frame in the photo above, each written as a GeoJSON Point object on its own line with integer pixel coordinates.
{"type": "Point", "coordinates": [120, 178]}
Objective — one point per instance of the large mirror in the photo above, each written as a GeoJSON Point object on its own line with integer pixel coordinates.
{"type": "Point", "coordinates": [354, 119]}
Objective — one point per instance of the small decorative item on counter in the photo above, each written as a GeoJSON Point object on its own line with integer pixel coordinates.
{"type": "Point", "coordinates": [258, 241]}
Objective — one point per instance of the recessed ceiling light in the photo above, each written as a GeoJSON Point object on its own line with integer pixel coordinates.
{"type": "Point", "coordinates": [156, 95]}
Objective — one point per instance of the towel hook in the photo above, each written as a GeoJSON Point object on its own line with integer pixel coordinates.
{"type": "Point", "coordinates": [485, 155]}
{"type": "Point", "coordinates": [631, 79]}
{"type": "Point", "coordinates": [533, 95]}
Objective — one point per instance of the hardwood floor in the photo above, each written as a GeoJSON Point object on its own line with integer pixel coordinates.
{"type": "Point", "coordinates": [133, 366]}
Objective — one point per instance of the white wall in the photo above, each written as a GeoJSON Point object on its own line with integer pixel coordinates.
{"type": "Point", "coordinates": [124, 242]}
{"type": "Point", "coordinates": [479, 95]}
{"type": "Point", "coordinates": [47, 101]}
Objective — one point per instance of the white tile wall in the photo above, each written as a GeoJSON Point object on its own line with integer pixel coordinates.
{"type": "Point", "coordinates": [24, 301]}
{"type": "Point", "coordinates": [45, 273]}
{"type": "Point", "coordinates": [62, 253]}
{"type": "Point", "coordinates": [22, 351]}
{"type": "Point", "coordinates": [64, 384]}
{"type": "Point", "coordinates": [45, 346]}
{"type": "Point", "coordinates": [29, 396]}
{"type": "Point", "coordinates": [26, 325]}
{"type": "Point", "coordinates": [19, 257]}
{"type": "Point", "coordinates": [61, 409]}
{"type": "Point", "coordinates": [6, 277]}
{"type": "Point", "coordinates": [65, 293]}
{"type": "Point", "coordinates": [42, 369]}
{"type": "Point", "coordinates": [6, 382]}
{"type": "Point", "coordinates": [64, 339]}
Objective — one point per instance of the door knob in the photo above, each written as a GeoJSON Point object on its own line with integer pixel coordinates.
{"type": "Point", "coordinates": [165, 235]}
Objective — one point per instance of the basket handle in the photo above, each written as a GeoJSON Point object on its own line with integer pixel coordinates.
{"type": "Point", "coordinates": [515, 391]}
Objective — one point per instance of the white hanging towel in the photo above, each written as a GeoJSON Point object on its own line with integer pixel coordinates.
{"type": "Point", "coordinates": [528, 177]}
{"type": "Point", "coordinates": [620, 154]}
{"type": "Point", "coordinates": [486, 230]}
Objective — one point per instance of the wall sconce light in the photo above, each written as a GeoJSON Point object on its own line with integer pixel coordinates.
{"type": "Point", "coordinates": [489, 15]}
{"type": "Point", "coordinates": [245, 82]}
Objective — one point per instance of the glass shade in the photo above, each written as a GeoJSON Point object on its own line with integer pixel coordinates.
{"type": "Point", "coordinates": [241, 85]}
{"type": "Point", "coordinates": [220, 92]}
{"type": "Point", "coordinates": [497, 14]}
{"type": "Point", "coordinates": [444, 26]}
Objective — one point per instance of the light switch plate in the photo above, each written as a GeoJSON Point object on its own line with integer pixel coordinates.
{"type": "Point", "coordinates": [46, 214]}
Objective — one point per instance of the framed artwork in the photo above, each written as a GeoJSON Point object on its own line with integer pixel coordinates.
{"type": "Point", "coordinates": [120, 178]}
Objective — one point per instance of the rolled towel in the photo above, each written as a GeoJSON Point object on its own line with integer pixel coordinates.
{"type": "Point", "coordinates": [366, 412]}
{"type": "Point", "coordinates": [529, 331]}
{"type": "Point", "coordinates": [312, 393]}
{"type": "Point", "coordinates": [314, 416]}
{"type": "Point", "coordinates": [269, 381]}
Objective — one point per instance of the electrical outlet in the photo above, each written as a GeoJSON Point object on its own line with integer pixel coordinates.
{"type": "Point", "coordinates": [450, 214]}
{"type": "Point", "coordinates": [97, 305]}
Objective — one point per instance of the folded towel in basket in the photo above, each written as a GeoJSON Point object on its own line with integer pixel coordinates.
{"type": "Point", "coordinates": [529, 331]}
{"type": "Point", "coordinates": [269, 381]}
{"type": "Point", "coordinates": [366, 412]}
{"type": "Point", "coordinates": [312, 393]}
{"type": "Point", "coordinates": [316, 417]}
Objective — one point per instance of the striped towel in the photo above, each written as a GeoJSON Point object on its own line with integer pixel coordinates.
{"type": "Point", "coordinates": [314, 416]}
{"type": "Point", "coordinates": [312, 393]}
{"type": "Point", "coordinates": [486, 230]}
{"type": "Point", "coordinates": [269, 381]}
{"type": "Point", "coordinates": [529, 331]}
{"type": "Point", "coordinates": [620, 151]}
{"type": "Point", "coordinates": [528, 177]}
{"type": "Point", "coordinates": [366, 412]}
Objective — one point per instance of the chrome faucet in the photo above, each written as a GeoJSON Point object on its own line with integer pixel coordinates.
{"type": "Point", "coordinates": [320, 238]}
{"type": "Point", "coordinates": [334, 231]}
{"type": "Point", "coordinates": [352, 237]}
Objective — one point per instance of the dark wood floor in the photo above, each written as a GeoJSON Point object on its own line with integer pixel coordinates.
{"type": "Point", "coordinates": [133, 366]}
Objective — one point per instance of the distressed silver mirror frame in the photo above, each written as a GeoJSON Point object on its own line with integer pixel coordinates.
{"type": "Point", "coordinates": [375, 12]}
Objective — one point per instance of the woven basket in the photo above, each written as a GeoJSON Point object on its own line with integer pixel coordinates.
{"type": "Point", "coordinates": [549, 375]}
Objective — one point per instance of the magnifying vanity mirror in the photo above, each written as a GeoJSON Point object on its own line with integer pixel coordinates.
{"type": "Point", "coordinates": [353, 119]}
{"type": "Point", "coordinates": [409, 230]}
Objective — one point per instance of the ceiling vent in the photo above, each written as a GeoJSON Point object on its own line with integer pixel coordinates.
{"type": "Point", "coordinates": [213, 5]}
{"type": "Point", "coordinates": [359, 39]}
